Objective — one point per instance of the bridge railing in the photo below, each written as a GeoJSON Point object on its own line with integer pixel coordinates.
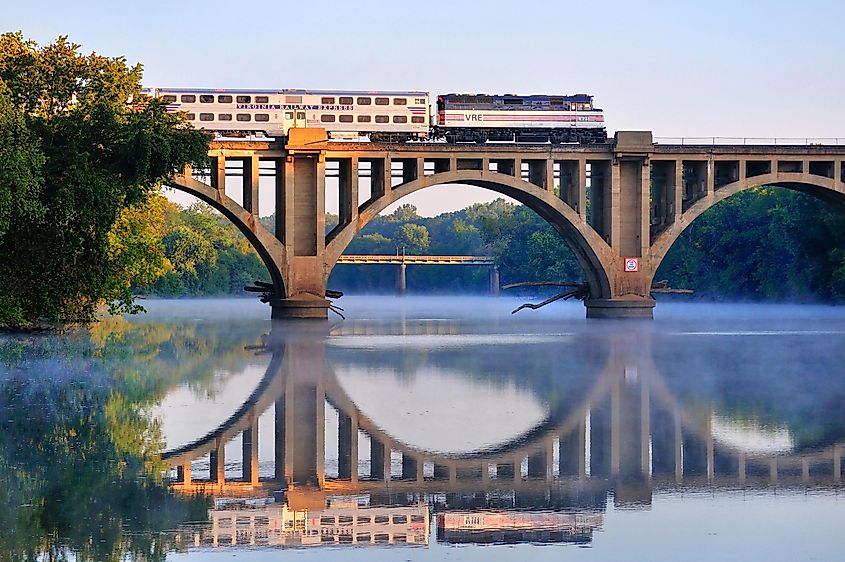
{"type": "Point", "coordinates": [752, 141]}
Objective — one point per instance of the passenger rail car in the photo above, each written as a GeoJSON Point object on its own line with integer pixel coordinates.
{"type": "Point", "coordinates": [390, 116]}
{"type": "Point", "coordinates": [479, 118]}
{"type": "Point", "coordinates": [398, 116]}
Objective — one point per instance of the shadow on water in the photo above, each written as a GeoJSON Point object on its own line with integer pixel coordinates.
{"type": "Point", "coordinates": [414, 430]}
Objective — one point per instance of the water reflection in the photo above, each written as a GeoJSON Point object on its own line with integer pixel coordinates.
{"type": "Point", "coordinates": [136, 440]}
{"type": "Point", "coordinates": [603, 424]}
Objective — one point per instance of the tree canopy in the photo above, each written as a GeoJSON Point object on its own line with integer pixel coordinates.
{"type": "Point", "coordinates": [79, 145]}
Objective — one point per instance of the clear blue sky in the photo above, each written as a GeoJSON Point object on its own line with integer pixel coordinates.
{"type": "Point", "coordinates": [717, 68]}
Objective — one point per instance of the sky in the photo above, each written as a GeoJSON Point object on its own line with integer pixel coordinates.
{"type": "Point", "coordinates": [680, 69]}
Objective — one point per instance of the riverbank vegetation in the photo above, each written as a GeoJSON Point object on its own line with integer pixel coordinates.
{"type": "Point", "coordinates": [79, 150]}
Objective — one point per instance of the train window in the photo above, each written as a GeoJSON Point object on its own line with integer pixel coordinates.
{"type": "Point", "coordinates": [300, 115]}
{"type": "Point", "coordinates": [206, 117]}
{"type": "Point", "coordinates": [206, 99]}
{"type": "Point", "coordinates": [191, 116]}
{"type": "Point", "coordinates": [382, 119]}
{"type": "Point", "coordinates": [345, 101]}
{"type": "Point", "coordinates": [262, 99]}
{"type": "Point", "coordinates": [243, 117]}
{"type": "Point", "coordinates": [417, 119]}
{"type": "Point", "coordinates": [363, 519]}
{"type": "Point", "coordinates": [419, 100]}
{"type": "Point", "coordinates": [327, 101]}
{"type": "Point", "coordinates": [400, 101]}
{"type": "Point", "coordinates": [364, 118]}
{"type": "Point", "coordinates": [262, 117]}
{"type": "Point", "coordinates": [381, 519]}
{"type": "Point", "coordinates": [243, 99]}
{"type": "Point", "coordinates": [293, 99]}
{"type": "Point", "coordinates": [288, 114]}
{"type": "Point", "coordinates": [345, 119]}
{"type": "Point", "coordinates": [400, 119]}
{"type": "Point", "coordinates": [224, 99]}
{"type": "Point", "coordinates": [327, 118]}
{"type": "Point", "coordinates": [364, 101]}
{"type": "Point", "coordinates": [382, 101]}
{"type": "Point", "coordinates": [224, 116]}
{"type": "Point", "coordinates": [168, 99]}
{"type": "Point", "coordinates": [400, 519]}
{"type": "Point", "coordinates": [189, 98]}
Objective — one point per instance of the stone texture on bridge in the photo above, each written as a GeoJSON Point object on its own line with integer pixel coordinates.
{"type": "Point", "coordinates": [616, 205]}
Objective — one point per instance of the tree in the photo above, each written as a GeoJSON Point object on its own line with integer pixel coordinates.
{"type": "Point", "coordinates": [79, 145]}
{"type": "Point", "coordinates": [414, 237]}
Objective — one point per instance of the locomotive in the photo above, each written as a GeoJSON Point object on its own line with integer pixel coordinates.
{"type": "Point", "coordinates": [393, 116]}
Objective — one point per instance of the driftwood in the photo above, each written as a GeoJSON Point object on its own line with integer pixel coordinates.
{"type": "Point", "coordinates": [268, 293]}
{"type": "Point", "coordinates": [581, 291]}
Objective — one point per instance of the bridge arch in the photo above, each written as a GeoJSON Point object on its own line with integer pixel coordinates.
{"type": "Point", "coordinates": [269, 248]}
{"type": "Point", "coordinates": [820, 187]}
{"type": "Point", "coordinates": [592, 252]}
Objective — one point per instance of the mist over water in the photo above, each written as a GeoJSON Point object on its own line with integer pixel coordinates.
{"type": "Point", "coordinates": [425, 428]}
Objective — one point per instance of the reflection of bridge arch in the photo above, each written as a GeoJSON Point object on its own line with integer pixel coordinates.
{"type": "Point", "coordinates": [821, 187]}
{"type": "Point", "coordinates": [616, 419]}
{"type": "Point", "coordinates": [591, 251]}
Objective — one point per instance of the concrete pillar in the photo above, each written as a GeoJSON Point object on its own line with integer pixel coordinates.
{"type": "Point", "coordinates": [572, 452]}
{"type": "Point", "coordinates": [549, 182]}
{"type": "Point", "coordinates": [401, 284]}
{"type": "Point", "coordinates": [741, 468]}
{"type": "Point", "coordinates": [837, 463]}
{"type": "Point", "coordinates": [344, 446]}
{"type": "Point", "coordinates": [377, 460]}
{"type": "Point", "coordinates": [217, 463]}
{"type": "Point", "coordinates": [184, 473]}
{"type": "Point", "coordinates": [837, 175]}
{"type": "Point", "coordinates": [249, 449]}
{"type": "Point", "coordinates": [409, 467]}
{"type": "Point", "coordinates": [279, 440]}
{"type": "Point", "coordinates": [494, 283]}
{"type": "Point", "coordinates": [678, 190]}
{"type": "Point", "coordinates": [281, 200]}
{"type": "Point", "coordinates": [250, 184]}
{"type": "Point", "coordinates": [348, 191]}
{"type": "Point", "coordinates": [304, 423]}
{"type": "Point", "coordinates": [218, 174]}
{"type": "Point", "coordinates": [305, 239]}
{"type": "Point", "coordinates": [537, 465]}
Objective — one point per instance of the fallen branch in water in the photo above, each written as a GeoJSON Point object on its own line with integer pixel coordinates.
{"type": "Point", "coordinates": [581, 291]}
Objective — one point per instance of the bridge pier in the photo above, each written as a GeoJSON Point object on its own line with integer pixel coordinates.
{"type": "Point", "coordinates": [401, 278]}
{"type": "Point", "coordinates": [620, 308]}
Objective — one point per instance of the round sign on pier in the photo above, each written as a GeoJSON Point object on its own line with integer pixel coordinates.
{"type": "Point", "coordinates": [632, 264]}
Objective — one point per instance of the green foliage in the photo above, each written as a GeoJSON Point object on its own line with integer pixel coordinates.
{"type": "Point", "coordinates": [79, 145]}
{"type": "Point", "coordinates": [80, 475]}
{"type": "Point", "coordinates": [766, 243]}
{"type": "Point", "coordinates": [207, 255]}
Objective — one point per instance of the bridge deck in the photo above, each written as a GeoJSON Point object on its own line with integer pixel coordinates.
{"type": "Point", "coordinates": [416, 260]}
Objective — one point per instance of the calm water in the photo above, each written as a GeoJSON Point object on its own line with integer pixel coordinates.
{"type": "Point", "coordinates": [423, 429]}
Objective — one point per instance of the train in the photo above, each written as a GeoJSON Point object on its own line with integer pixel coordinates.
{"type": "Point", "coordinates": [390, 116]}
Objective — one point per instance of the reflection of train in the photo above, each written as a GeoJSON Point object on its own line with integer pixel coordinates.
{"type": "Point", "coordinates": [510, 527]}
{"type": "Point", "coordinates": [390, 116]}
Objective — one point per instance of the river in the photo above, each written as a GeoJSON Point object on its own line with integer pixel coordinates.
{"type": "Point", "coordinates": [425, 428]}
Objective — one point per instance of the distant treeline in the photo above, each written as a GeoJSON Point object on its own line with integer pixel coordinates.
{"type": "Point", "coordinates": [762, 244]}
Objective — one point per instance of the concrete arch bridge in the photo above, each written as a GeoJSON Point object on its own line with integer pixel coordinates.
{"type": "Point", "coordinates": [620, 206]}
